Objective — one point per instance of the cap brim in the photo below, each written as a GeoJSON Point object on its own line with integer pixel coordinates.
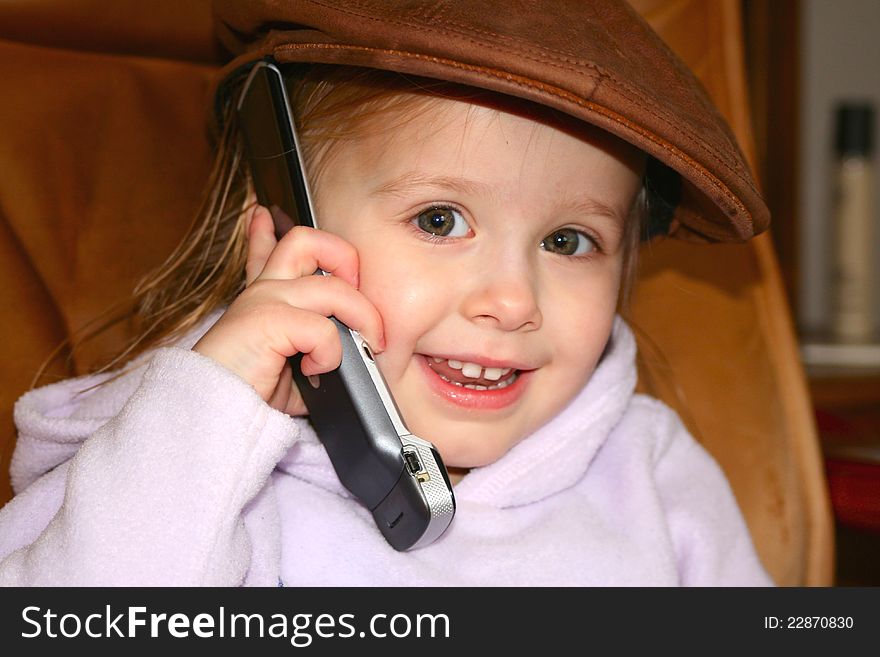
{"type": "Point", "coordinates": [597, 61]}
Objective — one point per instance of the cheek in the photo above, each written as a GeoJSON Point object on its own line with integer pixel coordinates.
{"type": "Point", "coordinates": [581, 317]}
{"type": "Point", "coordinates": [395, 287]}
{"type": "Point", "coordinates": [406, 295]}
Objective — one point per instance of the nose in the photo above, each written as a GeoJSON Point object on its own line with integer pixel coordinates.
{"type": "Point", "coordinates": [504, 297]}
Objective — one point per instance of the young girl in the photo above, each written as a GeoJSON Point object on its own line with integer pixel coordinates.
{"type": "Point", "coordinates": [481, 182]}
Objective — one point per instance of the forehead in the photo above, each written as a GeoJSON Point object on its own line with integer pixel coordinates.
{"type": "Point", "coordinates": [492, 143]}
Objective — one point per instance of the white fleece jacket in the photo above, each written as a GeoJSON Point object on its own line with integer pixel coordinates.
{"type": "Point", "coordinates": [177, 473]}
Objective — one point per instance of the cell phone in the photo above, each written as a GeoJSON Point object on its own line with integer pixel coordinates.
{"type": "Point", "coordinates": [398, 476]}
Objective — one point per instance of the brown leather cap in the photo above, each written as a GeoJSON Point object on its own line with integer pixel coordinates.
{"type": "Point", "coordinates": [594, 59]}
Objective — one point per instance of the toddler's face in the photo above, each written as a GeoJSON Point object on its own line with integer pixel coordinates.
{"type": "Point", "coordinates": [492, 246]}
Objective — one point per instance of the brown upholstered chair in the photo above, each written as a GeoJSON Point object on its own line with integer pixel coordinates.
{"type": "Point", "coordinates": [103, 149]}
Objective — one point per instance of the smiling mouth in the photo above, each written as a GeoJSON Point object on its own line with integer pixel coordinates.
{"type": "Point", "coordinates": [472, 375]}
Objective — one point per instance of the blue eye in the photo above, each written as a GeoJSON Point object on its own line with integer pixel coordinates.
{"type": "Point", "coordinates": [442, 222]}
{"type": "Point", "coordinates": [569, 242]}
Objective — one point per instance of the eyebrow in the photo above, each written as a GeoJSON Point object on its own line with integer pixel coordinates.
{"type": "Point", "coordinates": [413, 180]}
{"type": "Point", "coordinates": [595, 207]}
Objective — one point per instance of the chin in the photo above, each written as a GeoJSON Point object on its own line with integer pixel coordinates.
{"type": "Point", "coordinates": [475, 453]}
{"type": "Point", "coordinates": [467, 444]}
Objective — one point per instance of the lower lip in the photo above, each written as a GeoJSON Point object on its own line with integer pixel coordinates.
{"type": "Point", "coordinates": [488, 400]}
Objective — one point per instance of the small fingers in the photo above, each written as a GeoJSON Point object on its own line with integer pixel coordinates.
{"type": "Point", "coordinates": [318, 342]}
{"type": "Point", "coordinates": [303, 250]}
{"type": "Point", "coordinates": [326, 296]}
{"type": "Point", "coordinates": [286, 397]}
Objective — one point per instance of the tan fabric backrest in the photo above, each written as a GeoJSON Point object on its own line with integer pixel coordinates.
{"type": "Point", "coordinates": [724, 351]}
{"type": "Point", "coordinates": [103, 150]}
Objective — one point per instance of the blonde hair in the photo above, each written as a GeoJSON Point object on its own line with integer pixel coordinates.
{"type": "Point", "coordinates": [332, 104]}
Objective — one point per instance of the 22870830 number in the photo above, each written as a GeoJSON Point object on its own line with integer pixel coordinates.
{"type": "Point", "coordinates": [808, 622]}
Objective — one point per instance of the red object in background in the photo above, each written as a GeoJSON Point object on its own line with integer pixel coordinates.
{"type": "Point", "coordinates": [852, 465]}
{"type": "Point", "coordinates": [855, 493]}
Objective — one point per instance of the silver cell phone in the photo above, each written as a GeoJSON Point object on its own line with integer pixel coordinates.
{"type": "Point", "coordinates": [398, 476]}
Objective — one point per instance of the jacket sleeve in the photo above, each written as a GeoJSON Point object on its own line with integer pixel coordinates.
{"type": "Point", "coordinates": [156, 495]}
{"type": "Point", "coordinates": [711, 540]}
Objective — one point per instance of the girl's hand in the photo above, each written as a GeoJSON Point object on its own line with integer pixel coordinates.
{"type": "Point", "coordinates": [284, 310]}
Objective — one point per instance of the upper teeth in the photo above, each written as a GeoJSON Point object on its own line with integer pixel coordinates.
{"type": "Point", "coordinates": [475, 371]}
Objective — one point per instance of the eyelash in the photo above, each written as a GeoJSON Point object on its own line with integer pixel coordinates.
{"type": "Point", "coordinates": [431, 237]}
{"type": "Point", "coordinates": [593, 239]}
{"type": "Point", "coordinates": [443, 239]}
